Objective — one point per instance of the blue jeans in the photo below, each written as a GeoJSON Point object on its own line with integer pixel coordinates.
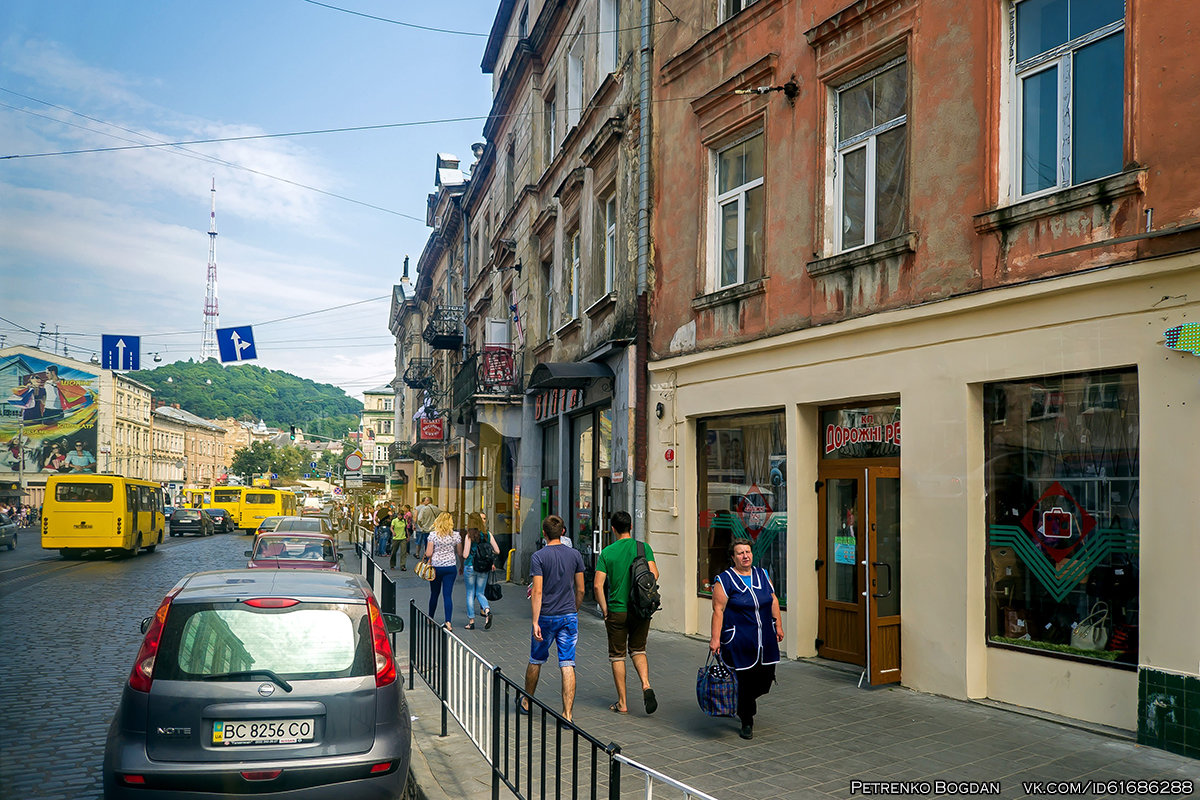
{"type": "Point", "coordinates": [475, 582]}
{"type": "Point", "coordinates": [443, 579]}
{"type": "Point", "coordinates": [419, 541]}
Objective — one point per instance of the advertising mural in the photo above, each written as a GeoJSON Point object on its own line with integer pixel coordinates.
{"type": "Point", "coordinates": [48, 419]}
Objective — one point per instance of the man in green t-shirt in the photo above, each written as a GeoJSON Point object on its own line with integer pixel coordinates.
{"type": "Point", "coordinates": [400, 542]}
{"type": "Point", "coordinates": [625, 631]}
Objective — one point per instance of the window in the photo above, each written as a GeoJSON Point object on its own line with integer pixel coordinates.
{"type": "Point", "coordinates": [738, 212]}
{"type": "Point", "coordinates": [549, 122]}
{"type": "Point", "coordinates": [510, 175]}
{"type": "Point", "coordinates": [742, 464]}
{"type": "Point", "coordinates": [608, 253]}
{"type": "Point", "coordinates": [872, 140]}
{"type": "Point", "coordinates": [571, 277]}
{"type": "Point", "coordinates": [387, 403]}
{"type": "Point", "coordinates": [574, 82]}
{"type": "Point", "coordinates": [731, 7]}
{"type": "Point", "coordinates": [523, 22]}
{"type": "Point", "coordinates": [1070, 74]}
{"type": "Point", "coordinates": [1062, 482]}
{"type": "Point", "coordinates": [607, 40]}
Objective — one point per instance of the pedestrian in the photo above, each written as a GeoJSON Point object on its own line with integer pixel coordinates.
{"type": "Point", "coordinates": [555, 595]}
{"type": "Point", "coordinates": [383, 521]}
{"type": "Point", "coordinates": [746, 629]}
{"type": "Point", "coordinates": [427, 513]}
{"type": "Point", "coordinates": [626, 631]}
{"type": "Point", "coordinates": [399, 542]}
{"type": "Point", "coordinates": [442, 552]}
{"type": "Point", "coordinates": [479, 559]}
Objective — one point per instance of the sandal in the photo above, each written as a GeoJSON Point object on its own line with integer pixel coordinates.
{"type": "Point", "coordinates": [470, 626]}
{"type": "Point", "coordinates": [615, 708]}
{"type": "Point", "coordinates": [650, 700]}
{"type": "Point", "coordinates": [487, 620]}
{"type": "Point", "coordinates": [447, 627]}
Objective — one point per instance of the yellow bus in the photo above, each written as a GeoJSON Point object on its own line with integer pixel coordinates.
{"type": "Point", "coordinates": [258, 504]}
{"type": "Point", "coordinates": [198, 498]}
{"type": "Point", "coordinates": [89, 512]}
{"type": "Point", "coordinates": [230, 498]}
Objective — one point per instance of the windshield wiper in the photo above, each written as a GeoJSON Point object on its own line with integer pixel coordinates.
{"type": "Point", "coordinates": [251, 673]}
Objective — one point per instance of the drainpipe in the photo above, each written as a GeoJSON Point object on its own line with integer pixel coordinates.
{"type": "Point", "coordinates": [641, 347]}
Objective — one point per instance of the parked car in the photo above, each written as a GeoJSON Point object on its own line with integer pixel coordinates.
{"type": "Point", "coordinates": [268, 525]}
{"type": "Point", "coordinates": [191, 520]}
{"type": "Point", "coordinates": [294, 551]}
{"type": "Point", "coordinates": [304, 525]}
{"type": "Point", "coordinates": [8, 532]}
{"type": "Point", "coordinates": [222, 521]}
{"type": "Point", "coordinates": [255, 683]}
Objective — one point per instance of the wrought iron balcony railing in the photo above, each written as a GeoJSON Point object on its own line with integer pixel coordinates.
{"type": "Point", "coordinates": [419, 373]}
{"type": "Point", "coordinates": [495, 371]}
{"type": "Point", "coordinates": [444, 329]}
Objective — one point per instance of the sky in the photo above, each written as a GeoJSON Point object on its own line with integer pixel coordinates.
{"type": "Point", "coordinates": [117, 242]}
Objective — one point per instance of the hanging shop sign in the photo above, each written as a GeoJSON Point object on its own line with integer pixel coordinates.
{"type": "Point", "coordinates": [432, 429]}
{"type": "Point", "coordinates": [872, 432]}
{"type": "Point", "coordinates": [548, 405]}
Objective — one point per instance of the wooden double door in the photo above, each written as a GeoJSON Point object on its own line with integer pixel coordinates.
{"type": "Point", "coordinates": [858, 566]}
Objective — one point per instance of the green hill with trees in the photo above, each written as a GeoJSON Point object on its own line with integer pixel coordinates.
{"type": "Point", "coordinates": [247, 392]}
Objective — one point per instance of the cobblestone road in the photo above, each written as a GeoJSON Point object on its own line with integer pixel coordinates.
{"type": "Point", "coordinates": [70, 633]}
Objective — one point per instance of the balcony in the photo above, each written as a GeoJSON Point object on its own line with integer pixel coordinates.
{"type": "Point", "coordinates": [419, 373]}
{"type": "Point", "coordinates": [493, 374]}
{"type": "Point", "coordinates": [444, 329]}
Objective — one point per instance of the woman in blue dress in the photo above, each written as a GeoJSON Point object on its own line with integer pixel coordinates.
{"type": "Point", "coordinates": [746, 629]}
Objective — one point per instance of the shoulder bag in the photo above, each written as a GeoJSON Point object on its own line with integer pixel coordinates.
{"type": "Point", "coordinates": [1092, 631]}
{"type": "Point", "coordinates": [424, 570]}
{"type": "Point", "coordinates": [491, 589]}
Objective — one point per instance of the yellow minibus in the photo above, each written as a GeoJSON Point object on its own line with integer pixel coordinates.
{"type": "Point", "coordinates": [231, 499]}
{"type": "Point", "coordinates": [198, 498]}
{"type": "Point", "coordinates": [258, 504]}
{"type": "Point", "coordinates": [111, 512]}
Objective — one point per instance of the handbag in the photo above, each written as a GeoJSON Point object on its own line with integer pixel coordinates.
{"type": "Point", "coordinates": [424, 570]}
{"type": "Point", "coordinates": [716, 688]}
{"type": "Point", "coordinates": [1092, 631]}
{"type": "Point", "coordinates": [492, 590]}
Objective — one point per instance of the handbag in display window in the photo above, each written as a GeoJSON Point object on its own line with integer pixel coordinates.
{"type": "Point", "coordinates": [716, 688]}
{"type": "Point", "coordinates": [424, 570]}
{"type": "Point", "coordinates": [492, 590]}
{"type": "Point", "coordinates": [1092, 631]}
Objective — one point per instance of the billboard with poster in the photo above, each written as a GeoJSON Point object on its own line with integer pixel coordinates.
{"type": "Point", "coordinates": [48, 419]}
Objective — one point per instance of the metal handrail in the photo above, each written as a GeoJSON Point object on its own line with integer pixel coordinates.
{"type": "Point", "coordinates": [653, 776]}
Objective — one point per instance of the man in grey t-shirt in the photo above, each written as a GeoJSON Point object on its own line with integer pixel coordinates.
{"type": "Point", "coordinates": [556, 594]}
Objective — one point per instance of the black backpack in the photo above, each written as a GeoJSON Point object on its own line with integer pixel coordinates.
{"type": "Point", "coordinates": [483, 557]}
{"type": "Point", "coordinates": [644, 598]}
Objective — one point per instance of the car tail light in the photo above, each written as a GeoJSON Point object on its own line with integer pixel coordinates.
{"type": "Point", "coordinates": [385, 664]}
{"type": "Point", "coordinates": [262, 774]}
{"type": "Point", "coordinates": [142, 674]}
{"type": "Point", "coordinates": [271, 602]}
{"type": "Point", "coordinates": [134, 780]}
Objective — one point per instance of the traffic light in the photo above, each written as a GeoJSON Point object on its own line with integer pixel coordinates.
{"type": "Point", "coordinates": [293, 433]}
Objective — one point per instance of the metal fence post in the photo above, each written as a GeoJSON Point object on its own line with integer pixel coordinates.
{"type": "Point", "coordinates": [444, 672]}
{"type": "Point", "coordinates": [614, 772]}
{"type": "Point", "coordinates": [412, 639]}
{"type": "Point", "coordinates": [498, 708]}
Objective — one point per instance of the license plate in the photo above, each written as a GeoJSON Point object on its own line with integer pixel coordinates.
{"type": "Point", "coordinates": [248, 731]}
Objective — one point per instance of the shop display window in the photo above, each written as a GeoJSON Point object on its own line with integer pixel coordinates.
{"type": "Point", "coordinates": [743, 495]}
{"type": "Point", "coordinates": [1062, 515]}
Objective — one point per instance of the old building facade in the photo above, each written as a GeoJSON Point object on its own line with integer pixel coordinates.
{"type": "Point", "coordinates": [982, 219]}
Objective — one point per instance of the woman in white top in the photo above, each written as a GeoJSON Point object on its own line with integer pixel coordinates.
{"type": "Point", "coordinates": [442, 552]}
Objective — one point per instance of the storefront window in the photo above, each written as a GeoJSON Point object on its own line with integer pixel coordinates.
{"type": "Point", "coordinates": [549, 470]}
{"type": "Point", "coordinates": [743, 494]}
{"type": "Point", "coordinates": [1062, 514]}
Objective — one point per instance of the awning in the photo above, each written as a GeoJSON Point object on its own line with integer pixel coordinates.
{"type": "Point", "coordinates": [568, 375]}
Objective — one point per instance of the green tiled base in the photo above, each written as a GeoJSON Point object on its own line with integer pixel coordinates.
{"type": "Point", "coordinates": [1169, 711]}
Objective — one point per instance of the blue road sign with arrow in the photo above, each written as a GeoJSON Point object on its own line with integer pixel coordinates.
{"type": "Point", "coordinates": [236, 344]}
{"type": "Point", "coordinates": [120, 352]}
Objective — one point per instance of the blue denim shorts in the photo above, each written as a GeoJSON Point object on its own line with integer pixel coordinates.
{"type": "Point", "coordinates": [563, 631]}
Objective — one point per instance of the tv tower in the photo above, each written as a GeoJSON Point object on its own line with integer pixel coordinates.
{"type": "Point", "coordinates": [211, 316]}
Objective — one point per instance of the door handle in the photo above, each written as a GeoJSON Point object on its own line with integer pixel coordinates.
{"type": "Point", "coordinates": [878, 564]}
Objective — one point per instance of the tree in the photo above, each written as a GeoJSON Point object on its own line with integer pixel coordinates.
{"type": "Point", "coordinates": [252, 460]}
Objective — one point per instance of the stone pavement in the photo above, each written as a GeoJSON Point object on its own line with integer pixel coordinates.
{"type": "Point", "coordinates": [815, 733]}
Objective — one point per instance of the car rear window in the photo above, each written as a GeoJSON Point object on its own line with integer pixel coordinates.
{"type": "Point", "coordinates": [305, 641]}
{"type": "Point", "coordinates": [313, 525]}
{"type": "Point", "coordinates": [185, 513]}
{"type": "Point", "coordinates": [84, 493]}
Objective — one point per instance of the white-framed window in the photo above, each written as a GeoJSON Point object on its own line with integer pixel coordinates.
{"type": "Point", "coordinates": [608, 258]}
{"type": "Point", "coordinates": [571, 276]}
{"type": "Point", "coordinates": [549, 124]}
{"type": "Point", "coordinates": [731, 7]}
{"type": "Point", "coordinates": [871, 131]}
{"type": "Point", "coordinates": [1068, 60]}
{"type": "Point", "coordinates": [387, 404]}
{"type": "Point", "coordinates": [608, 42]}
{"type": "Point", "coordinates": [548, 282]}
{"type": "Point", "coordinates": [574, 82]}
{"type": "Point", "coordinates": [737, 212]}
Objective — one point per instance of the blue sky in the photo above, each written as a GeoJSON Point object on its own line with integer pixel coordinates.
{"type": "Point", "coordinates": [117, 242]}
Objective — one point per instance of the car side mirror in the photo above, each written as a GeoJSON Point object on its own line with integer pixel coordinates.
{"type": "Point", "coordinates": [249, 554]}
{"type": "Point", "coordinates": [393, 623]}
{"type": "Point", "coordinates": [145, 626]}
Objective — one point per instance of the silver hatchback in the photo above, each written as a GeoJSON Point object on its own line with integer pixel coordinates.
{"type": "Point", "coordinates": [264, 684]}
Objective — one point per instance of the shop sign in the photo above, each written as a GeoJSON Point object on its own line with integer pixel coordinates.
{"type": "Point", "coordinates": [862, 432]}
{"type": "Point", "coordinates": [754, 510]}
{"type": "Point", "coordinates": [548, 405]}
{"type": "Point", "coordinates": [432, 429]}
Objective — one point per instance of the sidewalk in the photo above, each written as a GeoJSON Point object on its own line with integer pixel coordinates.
{"type": "Point", "coordinates": [814, 734]}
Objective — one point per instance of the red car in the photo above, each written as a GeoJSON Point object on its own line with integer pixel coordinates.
{"type": "Point", "coordinates": [294, 551]}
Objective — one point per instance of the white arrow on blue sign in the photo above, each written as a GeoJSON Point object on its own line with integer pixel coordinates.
{"type": "Point", "coordinates": [312, 464]}
{"type": "Point", "coordinates": [120, 352]}
{"type": "Point", "coordinates": [236, 344]}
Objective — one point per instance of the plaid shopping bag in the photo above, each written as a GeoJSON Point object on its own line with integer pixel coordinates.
{"type": "Point", "coordinates": [716, 688]}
